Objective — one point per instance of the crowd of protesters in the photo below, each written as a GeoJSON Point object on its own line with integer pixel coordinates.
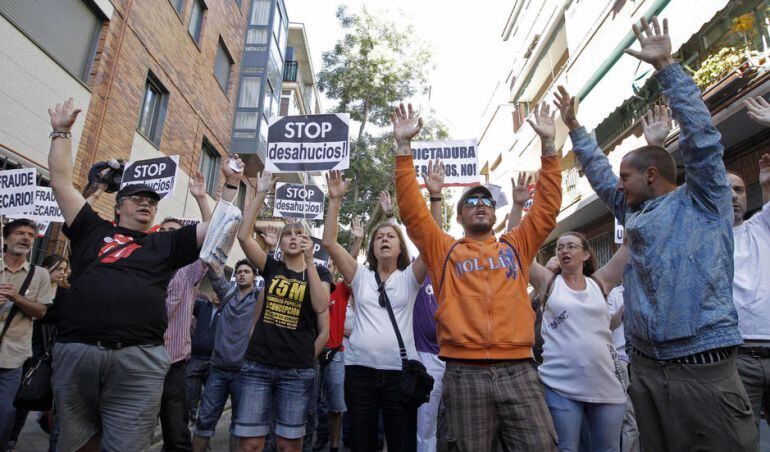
{"type": "Point", "coordinates": [470, 345]}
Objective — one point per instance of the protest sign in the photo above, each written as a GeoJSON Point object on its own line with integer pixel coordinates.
{"type": "Point", "coordinates": [320, 256]}
{"type": "Point", "coordinates": [528, 203]}
{"type": "Point", "coordinates": [17, 190]}
{"type": "Point", "coordinates": [620, 232]}
{"type": "Point", "coordinates": [158, 173]}
{"type": "Point", "coordinates": [460, 158]}
{"type": "Point", "coordinates": [185, 221]}
{"type": "Point", "coordinates": [298, 201]}
{"type": "Point", "coordinates": [308, 143]}
{"type": "Point", "coordinates": [46, 209]}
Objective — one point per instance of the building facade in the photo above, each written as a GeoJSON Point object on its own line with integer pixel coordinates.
{"type": "Point", "coordinates": [579, 44]}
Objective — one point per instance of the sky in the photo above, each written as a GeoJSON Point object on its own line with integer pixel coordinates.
{"type": "Point", "coordinates": [465, 39]}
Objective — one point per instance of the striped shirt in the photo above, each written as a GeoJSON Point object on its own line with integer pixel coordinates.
{"type": "Point", "coordinates": [180, 300]}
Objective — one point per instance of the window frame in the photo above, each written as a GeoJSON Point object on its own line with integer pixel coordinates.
{"type": "Point", "coordinates": [197, 39]}
{"type": "Point", "coordinates": [159, 110]}
{"type": "Point", "coordinates": [210, 173]}
{"type": "Point", "coordinates": [221, 45]}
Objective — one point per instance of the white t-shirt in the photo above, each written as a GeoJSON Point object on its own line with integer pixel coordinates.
{"type": "Point", "coordinates": [751, 282]}
{"type": "Point", "coordinates": [579, 360]}
{"type": "Point", "coordinates": [614, 303]}
{"type": "Point", "coordinates": [373, 341]}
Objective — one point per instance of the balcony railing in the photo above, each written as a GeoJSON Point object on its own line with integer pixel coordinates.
{"type": "Point", "coordinates": [290, 69]}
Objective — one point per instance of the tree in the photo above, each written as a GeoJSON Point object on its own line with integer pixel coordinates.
{"type": "Point", "coordinates": [372, 68]}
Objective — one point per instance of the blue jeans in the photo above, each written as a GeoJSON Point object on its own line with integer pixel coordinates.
{"type": "Point", "coordinates": [267, 391]}
{"type": "Point", "coordinates": [605, 421]}
{"type": "Point", "coordinates": [10, 380]}
{"type": "Point", "coordinates": [333, 383]}
{"type": "Point", "coordinates": [220, 384]}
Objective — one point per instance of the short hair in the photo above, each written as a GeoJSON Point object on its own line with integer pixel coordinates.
{"type": "Point", "coordinates": [16, 224]}
{"type": "Point", "coordinates": [171, 220]}
{"type": "Point", "coordinates": [646, 156]}
{"type": "Point", "coordinates": [52, 261]}
{"type": "Point", "coordinates": [247, 263]}
{"type": "Point", "coordinates": [403, 258]}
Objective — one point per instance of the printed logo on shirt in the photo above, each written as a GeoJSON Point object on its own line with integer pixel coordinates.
{"type": "Point", "coordinates": [115, 242]}
{"type": "Point", "coordinates": [505, 260]}
{"type": "Point", "coordinates": [283, 302]}
{"type": "Point", "coordinates": [562, 317]}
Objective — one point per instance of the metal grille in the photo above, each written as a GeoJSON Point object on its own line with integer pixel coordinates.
{"type": "Point", "coordinates": [602, 248]}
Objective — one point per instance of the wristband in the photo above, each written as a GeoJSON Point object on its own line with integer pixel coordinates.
{"type": "Point", "coordinates": [436, 199]}
{"type": "Point", "coordinates": [60, 134]}
{"type": "Point", "coordinates": [389, 214]}
{"type": "Point", "coordinates": [231, 186]}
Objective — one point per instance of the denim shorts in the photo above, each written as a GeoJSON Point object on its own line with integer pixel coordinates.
{"type": "Point", "coordinates": [220, 384]}
{"type": "Point", "coordinates": [265, 390]}
{"type": "Point", "coordinates": [333, 383]}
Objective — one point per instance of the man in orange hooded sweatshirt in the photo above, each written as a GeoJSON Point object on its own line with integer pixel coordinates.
{"type": "Point", "coordinates": [485, 322]}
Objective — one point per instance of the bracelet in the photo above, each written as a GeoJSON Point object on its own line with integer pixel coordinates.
{"type": "Point", "coordinates": [231, 186]}
{"type": "Point", "coordinates": [60, 134]}
{"type": "Point", "coordinates": [436, 199]}
{"type": "Point", "coordinates": [389, 214]}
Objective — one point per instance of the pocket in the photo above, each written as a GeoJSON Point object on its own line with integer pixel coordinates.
{"type": "Point", "coordinates": [738, 418]}
{"type": "Point", "coordinates": [305, 374]}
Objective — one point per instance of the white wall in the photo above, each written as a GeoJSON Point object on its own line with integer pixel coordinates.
{"type": "Point", "coordinates": [31, 83]}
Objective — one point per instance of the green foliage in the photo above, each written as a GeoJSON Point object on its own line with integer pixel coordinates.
{"type": "Point", "coordinates": [717, 66]}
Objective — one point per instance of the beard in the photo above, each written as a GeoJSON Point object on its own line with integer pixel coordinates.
{"type": "Point", "coordinates": [480, 228]}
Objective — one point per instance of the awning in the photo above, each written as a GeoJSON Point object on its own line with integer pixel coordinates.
{"type": "Point", "coordinates": [616, 85]}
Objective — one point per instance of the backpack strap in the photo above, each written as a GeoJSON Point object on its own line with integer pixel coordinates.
{"type": "Point", "coordinates": [443, 269]}
{"type": "Point", "coordinates": [515, 253]}
{"type": "Point", "coordinates": [22, 291]}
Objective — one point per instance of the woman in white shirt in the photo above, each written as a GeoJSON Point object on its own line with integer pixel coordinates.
{"type": "Point", "coordinates": [580, 371]}
{"type": "Point", "coordinates": [372, 360]}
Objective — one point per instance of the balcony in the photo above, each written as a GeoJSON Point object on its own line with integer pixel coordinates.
{"type": "Point", "coordinates": [290, 70]}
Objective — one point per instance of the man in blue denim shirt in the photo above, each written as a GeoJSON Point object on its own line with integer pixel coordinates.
{"type": "Point", "coordinates": [679, 312]}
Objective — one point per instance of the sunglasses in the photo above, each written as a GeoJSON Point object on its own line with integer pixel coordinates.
{"type": "Point", "coordinates": [138, 199]}
{"type": "Point", "coordinates": [476, 200]}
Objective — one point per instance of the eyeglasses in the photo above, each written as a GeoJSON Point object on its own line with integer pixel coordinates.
{"type": "Point", "coordinates": [476, 200]}
{"type": "Point", "coordinates": [138, 199]}
{"type": "Point", "coordinates": [569, 247]}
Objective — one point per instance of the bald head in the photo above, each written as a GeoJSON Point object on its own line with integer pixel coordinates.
{"type": "Point", "coordinates": [653, 156]}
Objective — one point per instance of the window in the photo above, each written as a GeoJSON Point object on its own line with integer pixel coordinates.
{"type": "Point", "coordinates": [260, 12]}
{"type": "Point", "coordinates": [248, 100]}
{"type": "Point", "coordinates": [210, 161]}
{"type": "Point", "coordinates": [223, 64]}
{"type": "Point", "coordinates": [240, 198]}
{"type": "Point", "coordinates": [196, 20]}
{"type": "Point", "coordinates": [66, 30]}
{"type": "Point", "coordinates": [179, 6]}
{"type": "Point", "coordinates": [153, 110]}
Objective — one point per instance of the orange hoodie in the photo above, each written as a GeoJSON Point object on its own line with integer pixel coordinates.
{"type": "Point", "coordinates": [484, 311]}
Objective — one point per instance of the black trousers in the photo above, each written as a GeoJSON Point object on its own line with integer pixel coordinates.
{"type": "Point", "coordinates": [174, 410]}
{"type": "Point", "coordinates": [368, 392]}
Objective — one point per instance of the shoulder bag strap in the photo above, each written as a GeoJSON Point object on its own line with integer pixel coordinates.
{"type": "Point", "coordinates": [384, 297]}
{"type": "Point", "coordinates": [443, 270]}
{"type": "Point", "coordinates": [14, 309]}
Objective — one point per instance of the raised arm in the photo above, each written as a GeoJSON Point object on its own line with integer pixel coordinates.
{"type": "Point", "coordinates": [346, 263]}
{"type": "Point", "coordinates": [358, 232]}
{"type": "Point", "coordinates": [197, 188]}
{"type": "Point", "coordinates": [229, 190]}
{"type": "Point", "coordinates": [596, 165]}
{"type": "Point", "coordinates": [70, 200]}
{"type": "Point", "coordinates": [319, 290]}
{"type": "Point", "coordinates": [541, 219]}
{"type": "Point", "coordinates": [759, 111]}
{"type": "Point", "coordinates": [764, 177]}
{"type": "Point", "coordinates": [657, 125]}
{"type": "Point", "coordinates": [322, 322]}
{"type": "Point", "coordinates": [426, 234]}
{"type": "Point", "coordinates": [220, 285]}
{"type": "Point", "coordinates": [434, 182]}
{"type": "Point", "coordinates": [520, 195]}
{"type": "Point", "coordinates": [611, 274]}
{"type": "Point", "coordinates": [251, 248]}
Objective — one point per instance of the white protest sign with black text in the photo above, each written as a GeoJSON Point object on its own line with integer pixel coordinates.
{"type": "Point", "coordinates": [320, 256]}
{"type": "Point", "coordinates": [298, 201]}
{"type": "Point", "coordinates": [158, 173]}
{"type": "Point", "coordinates": [308, 143]}
{"type": "Point", "coordinates": [17, 190]}
{"type": "Point", "coordinates": [460, 158]}
{"type": "Point", "coordinates": [45, 210]}
{"type": "Point", "coordinates": [620, 232]}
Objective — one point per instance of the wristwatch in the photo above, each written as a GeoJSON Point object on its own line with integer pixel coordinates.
{"type": "Point", "coordinates": [231, 186]}
{"type": "Point", "coordinates": [60, 134]}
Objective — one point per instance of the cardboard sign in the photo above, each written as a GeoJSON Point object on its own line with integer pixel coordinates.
{"type": "Point", "coordinates": [298, 201]}
{"type": "Point", "coordinates": [528, 204]}
{"type": "Point", "coordinates": [620, 232]}
{"type": "Point", "coordinates": [308, 143]}
{"type": "Point", "coordinates": [46, 209]}
{"type": "Point", "coordinates": [186, 221]}
{"type": "Point", "coordinates": [159, 173]}
{"type": "Point", "coordinates": [320, 256]}
{"type": "Point", "coordinates": [17, 190]}
{"type": "Point", "coordinates": [460, 158]}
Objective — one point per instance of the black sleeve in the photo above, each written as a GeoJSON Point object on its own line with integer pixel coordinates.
{"type": "Point", "coordinates": [271, 265]}
{"type": "Point", "coordinates": [324, 274]}
{"type": "Point", "coordinates": [84, 224]}
{"type": "Point", "coordinates": [179, 246]}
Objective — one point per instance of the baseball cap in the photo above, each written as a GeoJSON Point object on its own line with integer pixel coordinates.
{"type": "Point", "coordinates": [477, 190]}
{"type": "Point", "coordinates": [137, 189]}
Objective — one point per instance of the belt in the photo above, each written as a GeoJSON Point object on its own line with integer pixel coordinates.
{"type": "Point", "coordinates": [707, 357]}
{"type": "Point", "coordinates": [484, 362]}
{"type": "Point", "coordinates": [113, 344]}
{"type": "Point", "coordinates": [756, 352]}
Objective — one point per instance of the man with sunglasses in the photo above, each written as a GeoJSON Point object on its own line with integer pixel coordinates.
{"type": "Point", "coordinates": [485, 322]}
{"type": "Point", "coordinates": [109, 361]}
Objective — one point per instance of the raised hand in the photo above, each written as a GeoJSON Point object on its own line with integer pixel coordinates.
{"type": "Point", "coordinates": [543, 124]}
{"type": "Point", "coordinates": [657, 125]}
{"type": "Point", "coordinates": [405, 126]}
{"type": "Point", "coordinates": [265, 182]}
{"type": "Point", "coordinates": [521, 188]}
{"type": "Point", "coordinates": [655, 43]}
{"type": "Point", "coordinates": [764, 170]}
{"type": "Point", "coordinates": [197, 185]}
{"type": "Point", "coordinates": [385, 203]}
{"type": "Point", "coordinates": [434, 180]}
{"type": "Point", "coordinates": [271, 237]}
{"type": "Point", "coordinates": [232, 176]}
{"type": "Point", "coordinates": [336, 184]}
{"type": "Point", "coordinates": [63, 116]}
{"type": "Point", "coordinates": [357, 228]}
{"type": "Point", "coordinates": [306, 246]}
{"type": "Point", "coordinates": [567, 106]}
{"type": "Point", "coordinates": [758, 110]}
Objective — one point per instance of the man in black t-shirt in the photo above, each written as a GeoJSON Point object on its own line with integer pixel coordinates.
{"type": "Point", "coordinates": [109, 361]}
